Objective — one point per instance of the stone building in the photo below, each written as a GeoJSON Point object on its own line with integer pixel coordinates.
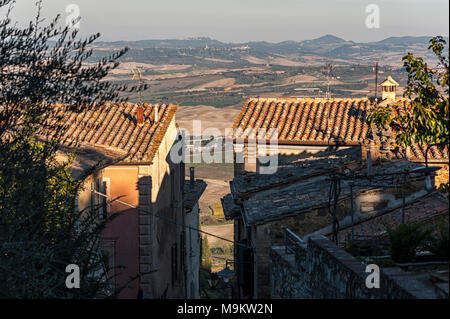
{"type": "Point", "coordinates": [297, 196]}
{"type": "Point", "coordinates": [388, 89]}
{"type": "Point", "coordinates": [303, 125]}
{"type": "Point", "coordinates": [313, 267]}
{"type": "Point", "coordinates": [149, 236]}
{"type": "Point", "coordinates": [318, 269]}
{"type": "Point", "coordinates": [193, 190]}
{"type": "Point", "coordinates": [310, 125]}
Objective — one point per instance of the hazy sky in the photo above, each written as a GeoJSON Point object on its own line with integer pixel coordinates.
{"type": "Point", "coordinates": [249, 20]}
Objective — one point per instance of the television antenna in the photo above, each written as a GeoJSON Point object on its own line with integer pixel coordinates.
{"type": "Point", "coordinates": [375, 69]}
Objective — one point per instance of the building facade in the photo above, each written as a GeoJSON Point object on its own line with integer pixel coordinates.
{"type": "Point", "coordinates": [139, 183]}
{"type": "Point", "coordinates": [310, 125]}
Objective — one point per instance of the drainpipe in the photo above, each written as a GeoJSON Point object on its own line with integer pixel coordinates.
{"type": "Point", "coordinates": [352, 210]}
{"type": "Point", "coordinates": [369, 161]}
{"type": "Point", "coordinates": [191, 176]}
{"type": "Point", "coordinates": [140, 116]}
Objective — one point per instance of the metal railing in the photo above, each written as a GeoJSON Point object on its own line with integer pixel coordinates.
{"type": "Point", "coordinates": [291, 241]}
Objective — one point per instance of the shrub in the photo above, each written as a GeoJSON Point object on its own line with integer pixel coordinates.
{"type": "Point", "coordinates": [206, 254]}
{"type": "Point", "coordinates": [438, 244]}
{"type": "Point", "coordinates": [405, 239]}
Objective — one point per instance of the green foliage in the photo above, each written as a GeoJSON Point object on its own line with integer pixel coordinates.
{"type": "Point", "coordinates": [405, 239]}
{"type": "Point", "coordinates": [437, 244]}
{"type": "Point", "coordinates": [427, 120]}
{"type": "Point", "coordinates": [381, 116]}
{"type": "Point", "coordinates": [40, 231]}
{"type": "Point", "coordinates": [206, 254]}
{"type": "Point", "coordinates": [444, 188]}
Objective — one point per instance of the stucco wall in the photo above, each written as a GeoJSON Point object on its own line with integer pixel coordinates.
{"type": "Point", "coordinates": [166, 201]}
{"type": "Point", "coordinates": [122, 232]}
{"type": "Point", "coordinates": [193, 255]}
{"type": "Point", "coordinates": [124, 229]}
{"type": "Point", "coordinates": [285, 152]}
{"type": "Point", "coordinates": [142, 242]}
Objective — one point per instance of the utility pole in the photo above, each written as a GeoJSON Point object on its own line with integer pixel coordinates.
{"type": "Point", "coordinates": [376, 79]}
{"type": "Point", "coordinates": [328, 95]}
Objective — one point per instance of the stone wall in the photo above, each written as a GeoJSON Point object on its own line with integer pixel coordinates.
{"type": "Point", "coordinates": [166, 201]}
{"type": "Point", "coordinates": [269, 234]}
{"type": "Point", "coordinates": [145, 233]}
{"type": "Point", "coordinates": [321, 270]}
{"type": "Point", "coordinates": [441, 175]}
{"type": "Point", "coordinates": [272, 233]}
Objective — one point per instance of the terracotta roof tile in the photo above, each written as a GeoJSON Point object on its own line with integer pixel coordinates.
{"type": "Point", "coordinates": [113, 127]}
{"type": "Point", "coordinates": [312, 121]}
{"type": "Point", "coordinates": [417, 152]}
{"type": "Point", "coordinates": [304, 120]}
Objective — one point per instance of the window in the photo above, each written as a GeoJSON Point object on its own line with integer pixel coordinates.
{"type": "Point", "coordinates": [94, 198]}
{"type": "Point", "coordinates": [99, 198]}
{"type": "Point", "coordinates": [103, 202]}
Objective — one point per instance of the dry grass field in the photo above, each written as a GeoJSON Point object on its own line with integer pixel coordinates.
{"type": "Point", "coordinates": [210, 117]}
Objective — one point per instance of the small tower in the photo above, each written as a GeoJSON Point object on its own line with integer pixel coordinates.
{"type": "Point", "coordinates": [388, 88]}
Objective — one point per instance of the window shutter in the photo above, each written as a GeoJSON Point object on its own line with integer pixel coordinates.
{"type": "Point", "coordinates": [103, 201]}
{"type": "Point", "coordinates": [93, 199]}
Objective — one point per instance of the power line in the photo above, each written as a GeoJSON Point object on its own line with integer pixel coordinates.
{"type": "Point", "coordinates": [170, 220]}
{"type": "Point", "coordinates": [376, 78]}
{"type": "Point", "coordinates": [328, 94]}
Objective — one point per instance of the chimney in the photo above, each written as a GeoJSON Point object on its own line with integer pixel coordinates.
{"type": "Point", "coordinates": [192, 176]}
{"type": "Point", "coordinates": [140, 116]}
{"type": "Point", "coordinates": [388, 88]}
{"type": "Point", "coordinates": [156, 113]}
{"type": "Point", "coordinates": [370, 152]}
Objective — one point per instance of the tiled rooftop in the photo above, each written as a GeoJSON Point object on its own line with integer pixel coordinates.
{"type": "Point", "coordinates": [114, 128]}
{"type": "Point", "coordinates": [417, 152]}
{"type": "Point", "coordinates": [296, 189]}
{"type": "Point", "coordinates": [230, 208]}
{"type": "Point", "coordinates": [306, 120]}
{"type": "Point", "coordinates": [318, 164]}
{"type": "Point", "coordinates": [193, 193]}
{"type": "Point", "coordinates": [87, 158]}
{"type": "Point", "coordinates": [313, 121]}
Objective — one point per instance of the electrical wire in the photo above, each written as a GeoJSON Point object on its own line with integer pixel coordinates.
{"type": "Point", "coordinates": [170, 220]}
{"type": "Point", "coordinates": [333, 195]}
